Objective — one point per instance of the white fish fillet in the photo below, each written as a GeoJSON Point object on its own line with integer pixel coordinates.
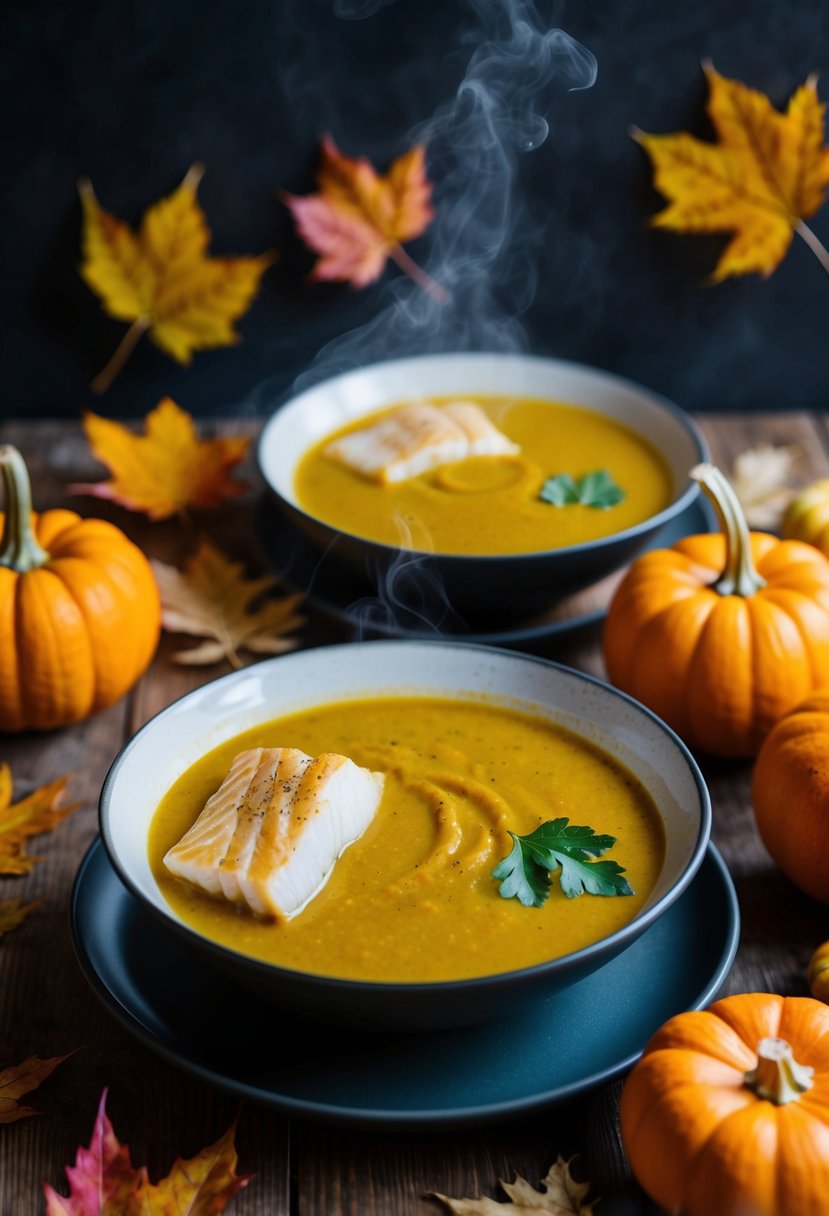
{"type": "Point", "coordinates": [419, 436]}
{"type": "Point", "coordinates": [270, 835]}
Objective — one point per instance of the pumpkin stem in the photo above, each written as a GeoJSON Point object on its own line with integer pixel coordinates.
{"type": "Point", "coordinates": [19, 549]}
{"type": "Point", "coordinates": [739, 576]}
{"type": "Point", "coordinates": [778, 1077]}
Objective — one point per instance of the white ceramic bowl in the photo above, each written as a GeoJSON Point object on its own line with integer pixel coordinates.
{"type": "Point", "coordinates": [161, 751]}
{"type": "Point", "coordinates": [480, 588]}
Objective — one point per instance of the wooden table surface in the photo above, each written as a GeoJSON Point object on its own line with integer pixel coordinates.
{"type": "Point", "coordinates": [47, 1009]}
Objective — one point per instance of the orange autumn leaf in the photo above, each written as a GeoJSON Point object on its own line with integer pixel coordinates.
{"type": "Point", "coordinates": [162, 279]}
{"type": "Point", "coordinates": [33, 815]}
{"type": "Point", "coordinates": [165, 470]}
{"type": "Point", "coordinates": [13, 912]}
{"type": "Point", "coordinates": [767, 173]}
{"type": "Point", "coordinates": [359, 219]}
{"type": "Point", "coordinates": [104, 1182]}
{"type": "Point", "coordinates": [21, 1079]}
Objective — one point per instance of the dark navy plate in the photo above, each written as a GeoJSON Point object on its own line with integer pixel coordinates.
{"type": "Point", "coordinates": [565, 1045]}
{"type": "Point", "coordinates": [413, 603]}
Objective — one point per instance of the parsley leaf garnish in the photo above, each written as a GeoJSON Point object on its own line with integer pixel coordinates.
{"type": "Point", "coordinates": [596, 489]}
{"type": "Point", "coordinates": [525, 873]}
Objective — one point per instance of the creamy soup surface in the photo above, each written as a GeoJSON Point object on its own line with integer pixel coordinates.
{"type": "Point", "coordinates": [490, 504]}
{"type": "Point", "coordinates": [413, 899]}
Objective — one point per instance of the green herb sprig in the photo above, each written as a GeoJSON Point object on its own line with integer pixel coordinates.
{"type": "Point", "coordinates": [525, 874]}
{"type": "Point", "coordinates": [596, 489]}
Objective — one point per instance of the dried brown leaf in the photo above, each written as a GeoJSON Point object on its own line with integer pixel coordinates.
{"type": "Point", "coordinates": [761, 478]}
{"type": "Point", "coordinates": [21, 1079]}
{"type": "Point", "coordinates": [210, 598]}
{"type": "Point", "coordinates": [561, 1196]}
{"type": "Point", "coordinates": [13, 912]}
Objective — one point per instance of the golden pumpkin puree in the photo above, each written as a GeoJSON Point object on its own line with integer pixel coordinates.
{"type": "Point", "coordinates": [413, 899]}
{"type": "Point", "coordinates": [489, 504]}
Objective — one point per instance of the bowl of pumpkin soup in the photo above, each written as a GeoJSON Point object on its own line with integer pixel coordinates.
{"type": "Point", "coordinates": [404, 834]}
{"type": "Point", "coordinates": [512, 480]}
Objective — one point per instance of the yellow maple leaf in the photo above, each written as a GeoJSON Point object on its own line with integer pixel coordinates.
{"type": "Point", "coordinates": [33, 815]}
{"type": "Point", "coordinates": [561, 1196]}
{"type": "Point", "coordinates": [212, 599]}
{"type": "Point", "coordinates": [162, 279]}
{"type": "Point", "coordinates": [766, 174]}
{"type": "Point", "coordinates": [165, 470]}
{"type": "Point", "coordinates": [204, 1184]}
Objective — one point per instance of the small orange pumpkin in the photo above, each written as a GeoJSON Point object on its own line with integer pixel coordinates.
{"type": "Point", "coordinates": [818, 974]}
{"type": "Point", "coordinates": [807, 516]}
{"type": "Point", "coordinates": [723, 633]}
{"type": "Point", "coordinates": [727, 1112]}
{"type": "Point", "coordinates": [790, 792]}
{"type": "Point", "coordinates": [79, 610]}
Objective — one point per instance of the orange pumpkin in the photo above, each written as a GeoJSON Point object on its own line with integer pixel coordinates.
{"type": "Point", "coordinates": [727, 1112]}
{"type": "Point", "coordinates": [790, 792]}
{"type": "Point", "coordinates": [818, 973]}
{"type": "Point", "coordinates": [723, 633]}
{"type": "Point", "coordinates": [79, 610]}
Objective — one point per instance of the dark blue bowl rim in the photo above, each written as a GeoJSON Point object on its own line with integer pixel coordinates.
{"type": "Point", "coordinates": [465, 1116]}
{"type": "Point", "coordinates": [389, 552]}
{"type": "Point", "coordinates": [504, 979]}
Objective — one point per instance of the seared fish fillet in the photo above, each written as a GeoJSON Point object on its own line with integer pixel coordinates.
{"type": "Point", "coordinates": [419, 436]}
{"type": "Point", "coordinates": [270, 835]}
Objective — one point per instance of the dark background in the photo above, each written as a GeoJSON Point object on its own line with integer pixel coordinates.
{"type": "Point", "coordinates": [132, 94]}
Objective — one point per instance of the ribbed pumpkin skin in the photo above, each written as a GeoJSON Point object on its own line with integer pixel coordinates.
{"type": "Point", "coordinates": [76, 633]}
{"type": "Point", "coordinates": [807, 516]}
{"type": "Point", "coordinates": [700, 1141]}
{"type": "Point", "coordinates": [721, 669]}
{"type": "Point", "coordinates": [790, 792]}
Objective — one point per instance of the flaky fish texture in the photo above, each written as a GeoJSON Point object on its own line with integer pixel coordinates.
{"type": "Point", "coordinates": [270, 835]}
{"type": "Point", "coordinates": [419, 436]}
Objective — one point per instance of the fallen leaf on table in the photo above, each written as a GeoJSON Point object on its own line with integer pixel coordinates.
{"type": "Point", "coordinates": [13, 912]}
{"type": "Point", "coordinates": [562, 1196]}
{"type": "Point", "coordinates": [212, 599]}
{"type": "Point", "coordinates": [103, 1181]}
{"type": "Point", "coordinates": [33, 815]}
{"type": "Point", "coordinates": [165, 470]}
{"type": "Point", "coordinates": [162, 279]}
{"type": "Point", "coordinates": [359, 220]}
{"type": "Point", "coordinates": [21, 1079]}
{"type": "Point", "coordinates": [760, 478]}
{"type": "Point", "coordinates": [765, 176]}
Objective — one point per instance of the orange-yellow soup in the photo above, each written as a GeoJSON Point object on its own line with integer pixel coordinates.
{"type": "Point", "coordinates": [413, 899]}
{"type": "Point", "coordinates": [490, 504]}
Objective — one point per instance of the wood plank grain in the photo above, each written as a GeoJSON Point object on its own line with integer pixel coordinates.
{"type": "Point", "coordinates": [45, 1005]}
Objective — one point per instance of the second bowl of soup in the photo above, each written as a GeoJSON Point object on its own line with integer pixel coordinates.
{"type": "Point", "coordinates": [512, 480]}
{"type": "Point", "coordinates": [525, 824]}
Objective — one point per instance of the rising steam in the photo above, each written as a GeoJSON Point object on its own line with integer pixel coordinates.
{"type": "Point", "coordinates": [480, 250]}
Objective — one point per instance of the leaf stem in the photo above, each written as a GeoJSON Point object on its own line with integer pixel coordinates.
{"type": "Point", "coordinates": [817, 246]}
{"type": "Point", "coordinates": [123, 351]}
{"type": "Point", "coordinates": [410, 267]}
